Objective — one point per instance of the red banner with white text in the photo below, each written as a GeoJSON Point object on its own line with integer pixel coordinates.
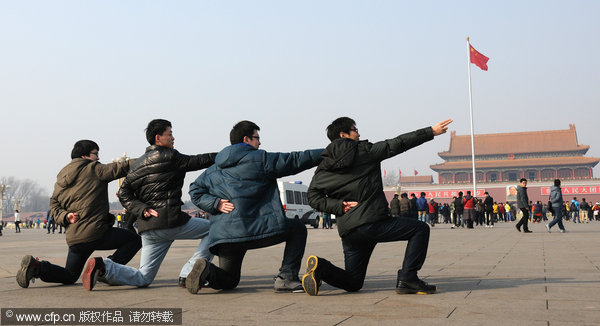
{"type": "Point", "coordinates": [571, 190]}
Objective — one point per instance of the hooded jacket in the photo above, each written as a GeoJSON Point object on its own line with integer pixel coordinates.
{"type": "Point", "coordinates": [82, 187]}
{"type": "Point", "coordinates": [247, 177]}
{"type": "Point", "coordinates": [351, 171]}
{"type": "Point", "coordinates": [155, 181]}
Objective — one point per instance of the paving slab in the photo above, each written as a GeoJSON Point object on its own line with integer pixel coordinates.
{"type": "Point", "coordinates": [485, 276]}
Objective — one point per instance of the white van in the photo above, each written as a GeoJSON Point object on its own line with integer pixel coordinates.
{"type": "Point", "coordinates": [295, 202]}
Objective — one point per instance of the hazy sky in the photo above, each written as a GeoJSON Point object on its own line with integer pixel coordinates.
{"type": "Point", "coordinates": [101, 70]}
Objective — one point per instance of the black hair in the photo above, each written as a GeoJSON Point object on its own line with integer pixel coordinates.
{"type": "Point", "coordinates": [460, 193]}
{"type": "Point", "coordinates": [486, 193]}
{"type": "Point", "coordinates": [343, 124]}
{"type": "Point", "coordinates": [156, 127]}
{"type": "Point", "coordinates": [83, 148]}
{"type": "Point", "coordinates": [422, 194]}
{"type": "Point", "coordinates": [522, 179]}
{"type": "Point", "coordinates": [242, 129]}
{"type": "Point", "coordinates": [395, 195]}
{"type": "Point", "coordinates": [403, 195]}
{"type": "Point", "coordinates": [557, 182]}
{"type": "Point", "coordinates": [468, 192]}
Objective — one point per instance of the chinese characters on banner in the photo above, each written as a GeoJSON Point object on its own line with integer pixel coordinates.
{"type": "Point", "coordinates": [574, 190]}
{"type": "Point", "coordinates": [447, 193]}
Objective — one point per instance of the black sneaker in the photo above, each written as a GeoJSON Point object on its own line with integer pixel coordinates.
{"type": "Point", "coordinates": [527, 231]}
{"type": "Point", "coordinates": [181, 282]}
{"type": "Point", "coordinates": [418, 287]}
{"type": "Point", "coordinates": [93, 269]}
{"type": "Point", "coordinates": [310, 280]}
{"type": "Point", "coordinates": [518, 228]}
{"type": "Point", "coordinates": [197, 277]}
{"type": "Point", "coordinates": [30, 270]}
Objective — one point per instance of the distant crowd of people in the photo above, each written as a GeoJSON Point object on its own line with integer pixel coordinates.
{"type": "Point", "coordinates": [467, 211]}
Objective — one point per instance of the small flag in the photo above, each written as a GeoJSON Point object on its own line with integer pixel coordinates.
{"type": "Point", "coordinates": [478, 59]}
{"type": "Point", "coordinates": [384, 173]}
{"type": "Point", "coordinates": [416, 172]}
{"type": "Point", "coordinates": [399, 172]}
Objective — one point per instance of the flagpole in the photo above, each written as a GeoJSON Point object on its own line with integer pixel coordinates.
{"type": "Point", "coordinates": [471, 115]}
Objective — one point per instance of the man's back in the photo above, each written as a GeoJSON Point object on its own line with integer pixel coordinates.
{"type": "Point", "coordinates": [247, 177]}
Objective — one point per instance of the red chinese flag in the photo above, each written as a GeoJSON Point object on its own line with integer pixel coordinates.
{"type": "Point", "coordinates": [399, 172]}
{"type": "Point", "coordinates": [478, 59]}
{"type": "Point", "coordinates": [384, 173]}
{"type": "Point", "coordinates": [416, 170]}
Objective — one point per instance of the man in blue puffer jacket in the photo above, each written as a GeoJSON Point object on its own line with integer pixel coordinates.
{"type": "Point", "coordinates": [240, 191]}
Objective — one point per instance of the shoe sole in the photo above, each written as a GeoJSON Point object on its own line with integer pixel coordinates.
{"type": "Point", "coordinates": [412, 291]}
{"type": "Point", "coordinates": [22, 278]}
{"type": "Point", "coordinates": [90, 274]}
{"type": "Point", "coordinates": [309, 283]}
{"type": "Point", "coordinates": [197, 276]}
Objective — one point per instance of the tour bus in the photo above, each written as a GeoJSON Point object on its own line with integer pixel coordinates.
{"type": "Point", "coordinates": [295, 202]}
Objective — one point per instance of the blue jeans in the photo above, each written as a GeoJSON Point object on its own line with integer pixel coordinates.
{"type": "Point", "coordinates": [359, 244]}
{"type": "Point", "coordinates": [422, 216]}
{"type": "Point", "coordinates": [575, 216]}
{"type": "Point", "coordinates": [557, 218]}
{"type": "Point", "coordinates": [155, 245]}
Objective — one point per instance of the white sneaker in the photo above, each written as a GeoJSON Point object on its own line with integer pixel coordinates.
{"type": "Point", "coordinates": [563, 231]}
{"type": "Point", "coordinates": [548, 228]}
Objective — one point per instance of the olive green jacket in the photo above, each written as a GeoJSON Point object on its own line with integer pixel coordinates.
{"type": "Point", "coordinates": [82, 187]}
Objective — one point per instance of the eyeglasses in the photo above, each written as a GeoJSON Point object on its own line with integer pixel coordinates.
{"type": "Point", "coordinates": [354, 129]}
{"type": "Point", "coordinates": [94, 153]}
{"type": "Point", "coordinates": [257, 137]}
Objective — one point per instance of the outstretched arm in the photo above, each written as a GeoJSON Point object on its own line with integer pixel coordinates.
{"type": "Point", "coordinates": [389, 148]}
{"type": "Point", "coordinates": [441, 127]}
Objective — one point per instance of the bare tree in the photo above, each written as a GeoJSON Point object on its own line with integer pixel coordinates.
{"type": "Point", "coordinates": [26, 194]}
{"type": "Point", "coordinates": [390, 179]}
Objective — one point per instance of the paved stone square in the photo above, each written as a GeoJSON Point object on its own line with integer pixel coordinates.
{"type": "Point", "coordinates": [484, 276]}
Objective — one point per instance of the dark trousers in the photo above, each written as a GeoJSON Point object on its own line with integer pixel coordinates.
{"type": "Point", "coordinates": [557, 218]}
{"type": "Point", "coordinates": [17, 226]}
{"type": "Point", "coordinates": [327, 221]}
{"type": "Point", "coordinates": [359, 244]}
{"type": "Point", "coordinates": [489, 218]}
{"type": "Point", "coordinates": [126, 242]}
{"type": "Point", "coordinates": [524, 219]}
{"type": "Point", "coordinates": [227, 275]}
{"type": "Point", "coordinates": [51, 224]}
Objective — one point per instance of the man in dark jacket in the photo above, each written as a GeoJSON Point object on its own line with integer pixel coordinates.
{"type": "Point", "coordinates": [414, 213]}
{"type": "Point", "coordinates": [395, 206]}
{"type": "Point", "coordinates": [405, 206]}
{"type": "Point", "coordinates": [348, 184]}
{"type": "Point", "coordinates": [246, 178]}
{"type": "Point", "coordinates": [523, 204]}
{"type": "Point", "coordinates": [488, 204]}
{"type": "Point", "coordinates": [152, 192]}
{"type": "Point", "coordinates": [80, 203]}
{"type": "Point", "coordinates": [459, 210]}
